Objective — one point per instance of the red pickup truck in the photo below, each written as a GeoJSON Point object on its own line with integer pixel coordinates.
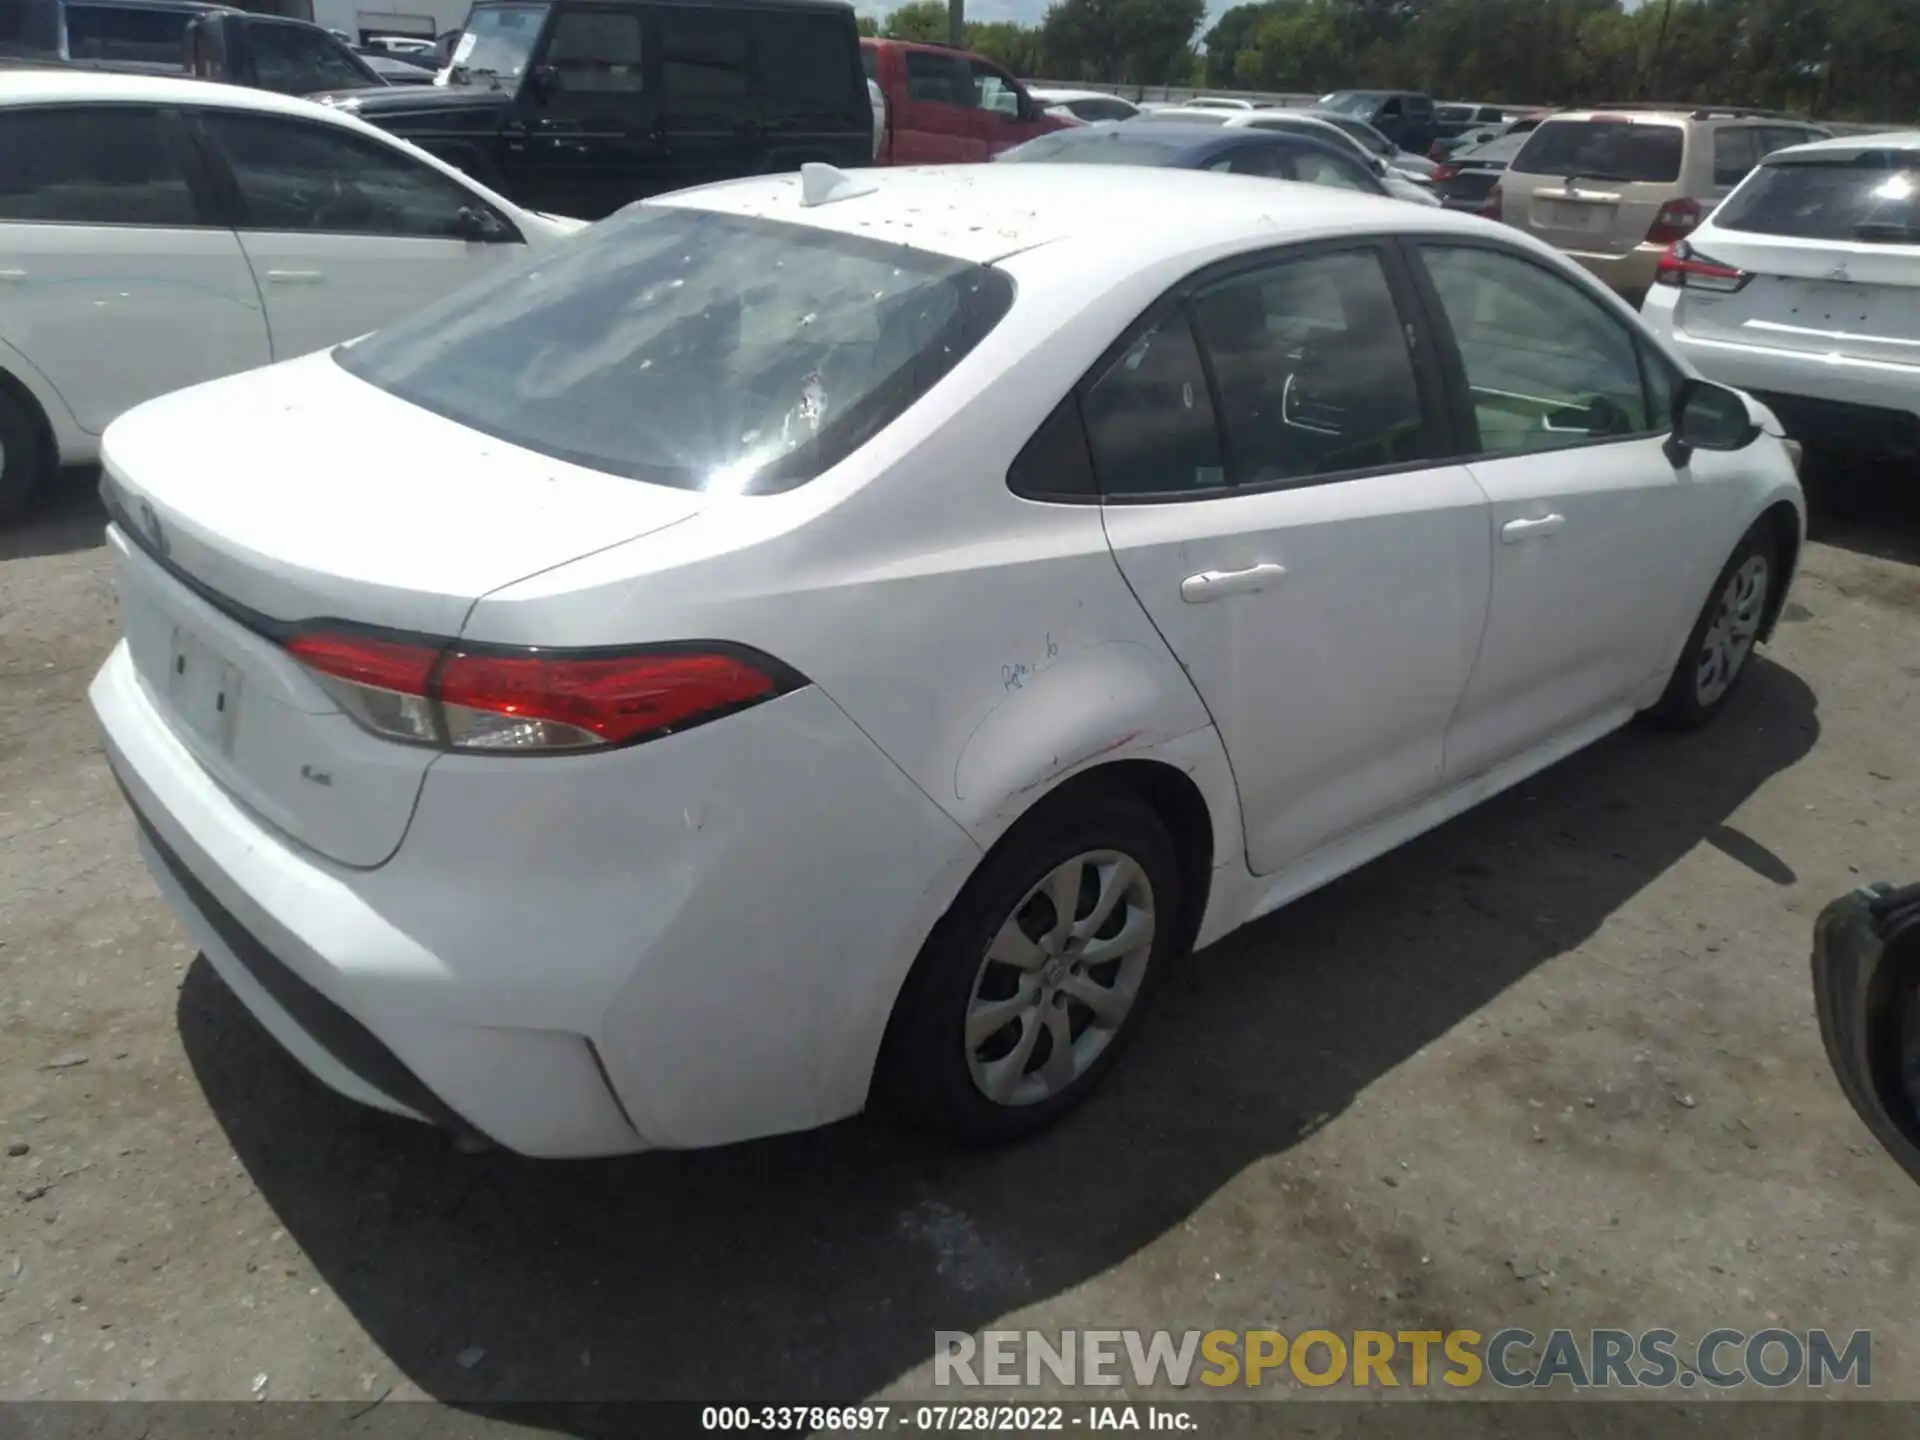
{"type": "Point", "coordinates": [946, 106]}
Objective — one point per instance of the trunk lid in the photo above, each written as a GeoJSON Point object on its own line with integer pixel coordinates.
{"type": "Point", "coordinates": [1595, 185]}
{"type": "Point", "coordinates": [1830, 235]}
{"type": "Point", "coordinates": [298, 494]}
{"type": "Point", "coordinates": [1861, 302]}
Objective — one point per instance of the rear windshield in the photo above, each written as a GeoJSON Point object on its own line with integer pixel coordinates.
{"type": "Point", "coordinates": [702, 351]}
{"type": "Point", "coordinates": [1603, 150]}
{"type": "Point", "coordinates": [1113, 144]}
{"type": "Point", "coordinates": [1874, 198]}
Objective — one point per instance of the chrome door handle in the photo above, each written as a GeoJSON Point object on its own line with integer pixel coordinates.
{"type": "Point", "coordinates": [1514, 531]}
{"type": "Point", "coordinates": [1217, 584]}
{"type": "Point", "coordinates": [295, 277]}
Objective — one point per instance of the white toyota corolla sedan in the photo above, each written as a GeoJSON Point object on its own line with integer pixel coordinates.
{"type": "Point", "coordinates": [838, 640]}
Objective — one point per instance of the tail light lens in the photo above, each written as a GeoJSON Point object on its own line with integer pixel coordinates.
{"type": "Point", "coordinates": [532, 701]}
{"type": "Point", "coordinates": [1444, 172]}
{"type": "Point", "coordinates": [1685, 268]}
{"type": "Point", "coordinates": [1677, 220]}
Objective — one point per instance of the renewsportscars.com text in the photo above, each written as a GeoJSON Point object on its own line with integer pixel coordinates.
{"type": "Point", "coordinates": [1513, 1358]}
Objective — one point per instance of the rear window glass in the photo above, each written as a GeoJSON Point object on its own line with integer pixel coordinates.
{"type": "Point", "coordinates": [806, 66]}
{"type": "Point", "coordinates": [1604, 150]}
{"type": "Point", "coordinates": [702, 351]}
{"type": "Point", "coordinates": [1873, 198]}
{"type": "Point", "coordinates": [1119, 144]}
{"type": "Point", "coordinates": [127, 36]}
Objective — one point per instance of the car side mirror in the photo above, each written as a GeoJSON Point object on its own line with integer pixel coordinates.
{"type": "Point", "coordinates": [476, 222]}
{"type": "Point", "coordinates": [1380, 166]}
{"type": "Point", "coordinates": [1708, 417]}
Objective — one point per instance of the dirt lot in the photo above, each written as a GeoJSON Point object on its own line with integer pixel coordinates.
{"type": "Point", "coordinates": [1552, 1065]}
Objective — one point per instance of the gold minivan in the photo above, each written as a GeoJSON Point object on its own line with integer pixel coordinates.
{"type": "Point", "coordinates": [1615, 186]}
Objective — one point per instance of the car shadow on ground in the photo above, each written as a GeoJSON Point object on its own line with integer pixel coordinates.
{"type": "Point", "coordinates": [818, 1266]}
{"type": "Point", "coordinates": [1871, 507]}
{"type": "Point", "coordinates": [65, 517]}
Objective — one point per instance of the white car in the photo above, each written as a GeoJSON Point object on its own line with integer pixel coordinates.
{"type": "Point", "coordinates": [156, 232]}
{"type": "Point", "coordinates": [1217, 102]}
{"type": "Point", "coordinates": [1804, 286]}
{"type": "Point", "coordinates": [843, 637]}
{"type": "Point", "coordinates": [1087, 105]}
{"type": "Point", "coordinates": [1399, 184]}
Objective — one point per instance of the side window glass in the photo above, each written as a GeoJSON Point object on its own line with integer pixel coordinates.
{"type": "Point", "coordinates": [91, 166]}
{"type": "Point", "coordinates": [156, 39]}
{"type": "Point", "coordinates": [937, 79]}
{"type": "Point", "coordinates": [1546, 365]}
{"type": "Point", "coordinates": [993, 91]}
{"type": "Point", "coordinates": [703, 61]}
{"type": "Point", "coordinates": [1317, 169]}
{"type": "Point", "coordinates": [596, 52]}
{"type": "Point", "coordinates": [293, 61]}
{"type": "Point", "coordinates": [1056, 464]}
{"type": "Point", "coordinates": [1149, 421]}
{"type": "Point", "coordinates": [29, 27]}
{"type": "Point", "coordinates": [297, 176]}
{"type": "Point", "coordinates": [1273, 161]}
{"type": "Point", "coordinates": [1735, 152]}
{"type": "Point", "coordinates": [802, 60]}
{"type": "Point", "coordinates": [1311, 362]}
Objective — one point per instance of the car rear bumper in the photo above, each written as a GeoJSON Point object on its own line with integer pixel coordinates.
{"type": "Point", "coordinates": [1827, 401]}
{"type": "Point", "coordinates": [1629, 275]}
{"type": "Point", "coordinates": [583, 956]}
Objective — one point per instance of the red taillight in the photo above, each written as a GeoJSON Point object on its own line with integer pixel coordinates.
{"type": "Point", "coordinates": [532, 701]}
{"type": "Point", "coordinates": [1685, 268]}
{"type": "Point", "coordinates": [1444, 173]}
{"type": "Point", "coordinates": [1676, 220]}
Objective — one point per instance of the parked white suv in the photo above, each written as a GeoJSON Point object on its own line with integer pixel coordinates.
{"type": "Point", "coordinates": [1804, 287]}
{"type": "Point", "coordinates": [157, 232]}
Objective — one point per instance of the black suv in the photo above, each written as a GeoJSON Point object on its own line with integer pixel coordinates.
{"type": "Point", "coordinates": [1405, 117]}
{"type": "Point", "coordinates": [576, 107]}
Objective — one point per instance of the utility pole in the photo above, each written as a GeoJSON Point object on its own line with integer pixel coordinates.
{"type": "Point", "coordinates": [957, 23]}
{"type": "Point", "coordinates": [1659, 54]}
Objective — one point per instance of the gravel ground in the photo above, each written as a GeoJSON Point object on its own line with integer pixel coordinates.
{"type": "Point", "coordinates": [1554, 1064]}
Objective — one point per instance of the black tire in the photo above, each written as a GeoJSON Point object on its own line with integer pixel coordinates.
{"type": "Point", "coordinates": [22, 457]}
{"type": "Point", "coordinates": [1682, 706]}
{"type": "Point", "coordinates": [925, 1075]}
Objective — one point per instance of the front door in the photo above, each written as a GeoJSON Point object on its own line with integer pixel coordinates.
{"type": "Point", "coordinates": [1003, 114]}
{"type": "Point", "coordinates": [117, 281]}
{"type": "Point", "coordinates": [1592, 527]}
{"type": "Point", "coordinates": [344, 233]}
{"type": "Point", "coordinates": [1265, 447]}
{"type": "Point", "coordinates": [582, 140]}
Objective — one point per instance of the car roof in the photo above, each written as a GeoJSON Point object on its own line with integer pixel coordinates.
{"type": "Point", "coordinates": [74, 86]}
{"type": "Point", "coordinates": [1843, 146]}
{"type": "Point", "coordinates": [984, 213]}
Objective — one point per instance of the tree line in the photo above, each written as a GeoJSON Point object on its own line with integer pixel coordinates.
{"type": "Point", "coordinates": [1840, 59]}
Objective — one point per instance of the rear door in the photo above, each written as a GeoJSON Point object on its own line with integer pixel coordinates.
{"type": "Point", "coordinates": [345, 233]}
{"type": "Point", "coordinates": [814, 100]}
{"type": "Point", "coordinates": [1594, 533]}
{"type": "Point", "coordinates": [1595, 185]}
{"type": "Point", "coordinates": [708, 113]}
{"type": "Point", "coordinates": [1830, 244]}
{"type": "Point", "coordinates": [935, 121]}
{"type": "Point", "coordinates": [1265, 444]}
{"type": "Point", "coordinates": [118, 278]}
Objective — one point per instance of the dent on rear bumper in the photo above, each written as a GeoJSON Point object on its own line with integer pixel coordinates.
{"type": "Point", "coordinates": [725, 916]}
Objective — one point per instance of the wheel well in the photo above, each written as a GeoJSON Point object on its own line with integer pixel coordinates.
{"type": "Point", "coordinates": [42, 427]}
{"type": "Point", "coordinates": [1171, 794]}
{"type": "Point", "coordinates": [1784, 521]}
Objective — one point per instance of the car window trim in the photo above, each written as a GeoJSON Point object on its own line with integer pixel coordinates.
{"type": "Point", "coordinates": [1178, 298]}
{"type": "Point", "coordinates": [227, 183]}
{"type": "Point", "coordinates": [1453, 367]}
{"type": "Point", "coordinates": [202, 191]}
